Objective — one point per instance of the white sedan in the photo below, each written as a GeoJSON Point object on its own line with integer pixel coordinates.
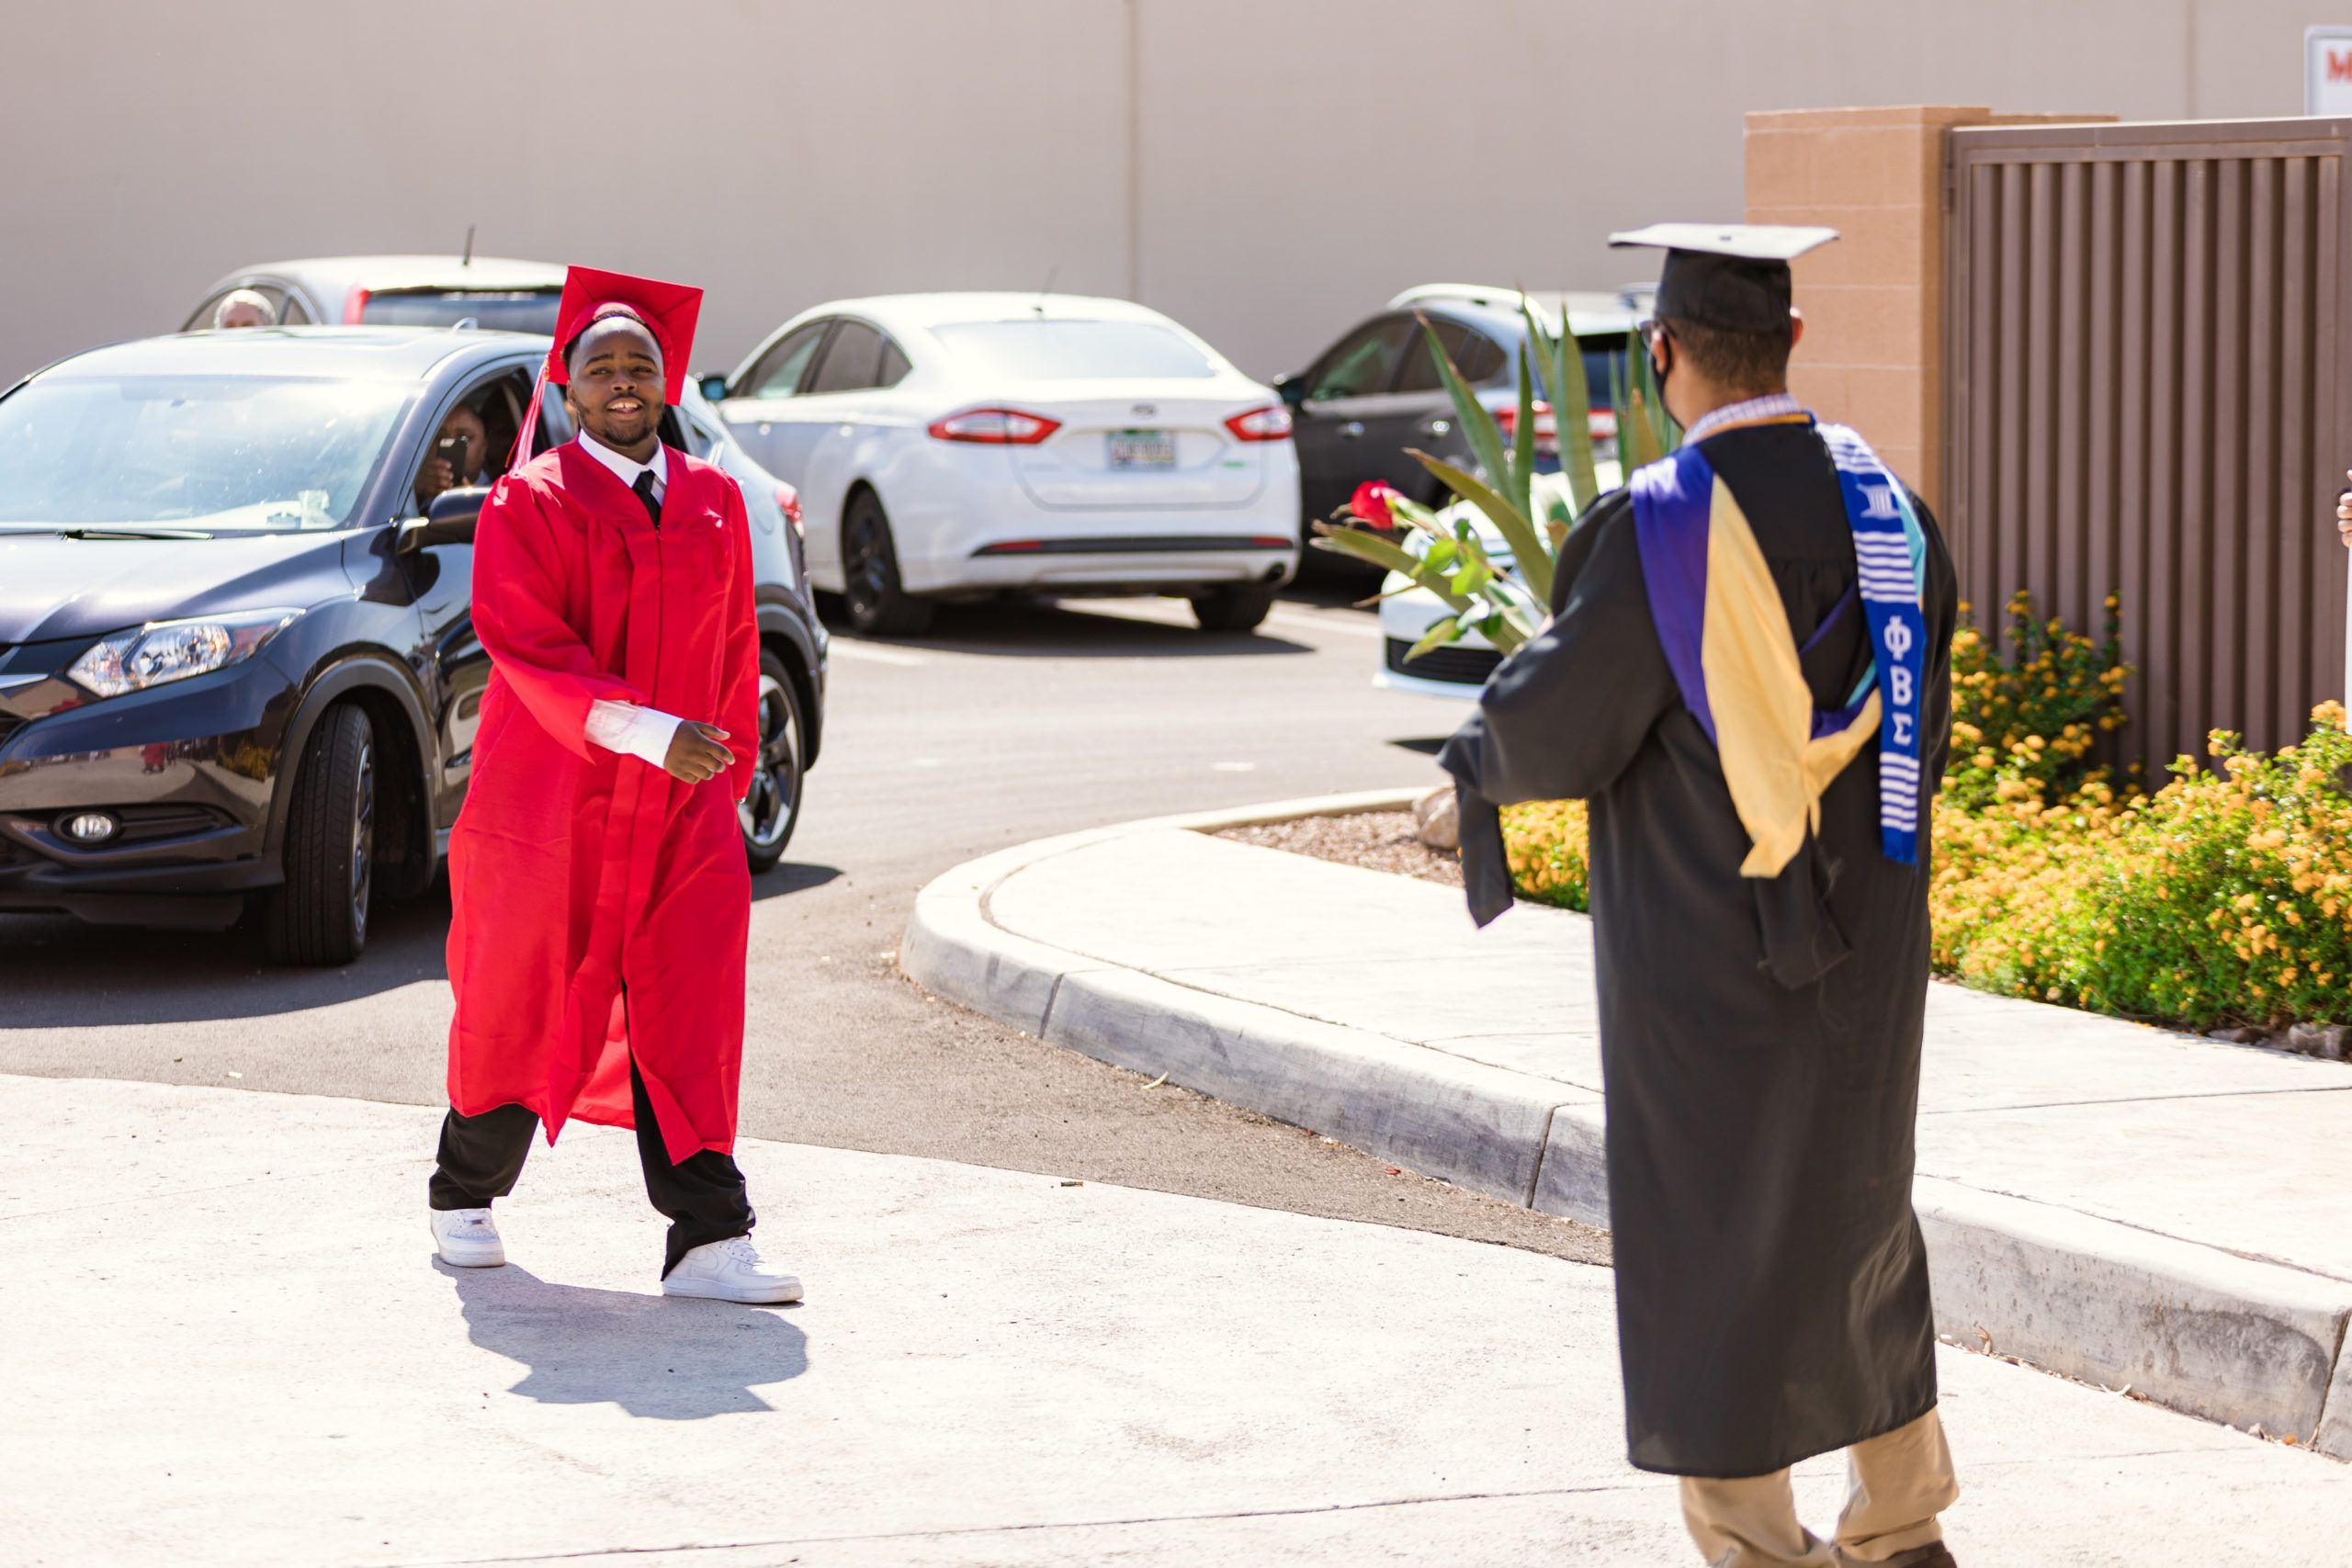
{"type": "Point", "coordinates": [950, 447]}
{"type": "Point", "coordinates": [1457, 670]}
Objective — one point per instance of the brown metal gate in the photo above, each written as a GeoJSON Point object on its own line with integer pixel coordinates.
{"type": "Point", "coordinates": [2149, 343]}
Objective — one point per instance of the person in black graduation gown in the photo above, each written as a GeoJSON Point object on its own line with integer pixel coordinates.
{"type": "Point", "coordinates": [1759, 1036]}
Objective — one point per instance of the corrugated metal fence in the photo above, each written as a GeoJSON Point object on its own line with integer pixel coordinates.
{"type": "Point", "coordinates": [2148, 356]}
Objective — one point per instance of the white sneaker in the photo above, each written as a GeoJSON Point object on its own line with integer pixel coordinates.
{"type": "Point", "coordinates": [730, 1270]}
{"type": "Point", "coordinates": [468, 1238]}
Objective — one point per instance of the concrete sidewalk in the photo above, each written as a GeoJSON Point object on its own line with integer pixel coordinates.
{"type": "Point", "coordinates": [227, 1343]}
{"type": "Point", "coordinates": [2124, 1204]}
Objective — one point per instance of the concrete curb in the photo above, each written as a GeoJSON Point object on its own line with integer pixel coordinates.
{"type": "Point", "coordinates": [2234, 1339]}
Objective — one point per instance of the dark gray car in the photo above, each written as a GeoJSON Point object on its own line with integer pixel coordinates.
{"type": "Point", "coordinates": [1376, 394]}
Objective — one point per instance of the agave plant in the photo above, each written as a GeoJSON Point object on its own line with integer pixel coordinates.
{"type": "Point", "coordinates": [1505, 600]}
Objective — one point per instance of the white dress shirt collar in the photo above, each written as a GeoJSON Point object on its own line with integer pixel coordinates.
{"type": "Point", "coordinates": [625, 469]}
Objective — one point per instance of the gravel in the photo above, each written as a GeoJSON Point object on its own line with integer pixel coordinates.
{"type": "Point", "coordinates": [1377, 840]}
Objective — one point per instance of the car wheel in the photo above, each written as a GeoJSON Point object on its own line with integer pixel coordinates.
{"type": "Point", "coordinates": [1232, 609]}
{"type": "Point", "coordinates": [879, 606]}
{"type": "Point", "coordinates": [319, 915]}
{"type": "Point", "coordinates": [772, 808]}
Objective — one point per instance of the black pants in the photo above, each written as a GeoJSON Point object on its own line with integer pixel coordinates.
{"type": "Point", "coordinates": [703, 1196]}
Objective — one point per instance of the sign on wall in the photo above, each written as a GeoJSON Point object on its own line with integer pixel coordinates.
{"type": "Point", "coordinates": [2328, 70]}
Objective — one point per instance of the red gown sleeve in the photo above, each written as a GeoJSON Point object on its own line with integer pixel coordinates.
{"type": "Point", "coordinates": [518, 613]}
{"type": "Point", "coordinates": [740, 690]}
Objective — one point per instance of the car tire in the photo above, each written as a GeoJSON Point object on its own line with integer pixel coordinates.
{"type": "Point", "coordinates": [318, 917]}
{"type": "Point", "coordinates": [879, 604]}
{"type": "Point", "coordinates": [1232, 609]}
{"type": "Point", "coordinates": [772, 810]}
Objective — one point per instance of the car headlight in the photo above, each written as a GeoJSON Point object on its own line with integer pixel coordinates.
{"type": "Point", "coordinates": [173, 650]}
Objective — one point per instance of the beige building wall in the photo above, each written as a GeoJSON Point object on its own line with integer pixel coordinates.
{"type": "Point", "coordinates": [1265, 170]}
{"type": "Point", "coordinates": [1872, 354]}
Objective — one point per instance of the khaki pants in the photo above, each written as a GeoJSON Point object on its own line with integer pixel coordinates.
{"type": "Point", "coordinates": [1898, 1483]}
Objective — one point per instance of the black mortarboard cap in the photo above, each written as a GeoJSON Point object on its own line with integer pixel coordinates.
{"type": "Point", "coordinates": [1733, 277]}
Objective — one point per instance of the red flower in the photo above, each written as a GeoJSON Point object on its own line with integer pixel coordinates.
{"type": "Point", "coordinates": [1370, 504]}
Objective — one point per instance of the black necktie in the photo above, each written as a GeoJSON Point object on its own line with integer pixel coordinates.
{"type": "Point", "coordinates": [644, 488]}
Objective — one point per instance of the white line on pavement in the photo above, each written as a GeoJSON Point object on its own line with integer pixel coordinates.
{"type": "Point", "coordinates": [875, 654]}
{"type": "Point", "coordinates": [1348, 624]}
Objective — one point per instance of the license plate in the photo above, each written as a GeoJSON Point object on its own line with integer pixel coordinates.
{"type": "Point", "coordinates": [1143, 449]}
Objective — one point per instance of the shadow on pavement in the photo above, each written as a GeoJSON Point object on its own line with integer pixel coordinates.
{"type": "Point", "coordinates": [56, 973]}
{"type": "Point", "coordinates": [1044, 629]}
{"type": "Point", "coordinates": [791, 876]}
{"type": "Point", "coordinates": [661, 1357]}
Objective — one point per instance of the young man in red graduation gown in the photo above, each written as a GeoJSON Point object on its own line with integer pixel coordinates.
{"type": "Point", "coordinates": [601, 896]}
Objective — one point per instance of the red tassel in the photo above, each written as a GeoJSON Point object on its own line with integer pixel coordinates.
{"type": "Point", "coordinates": [522, 453]}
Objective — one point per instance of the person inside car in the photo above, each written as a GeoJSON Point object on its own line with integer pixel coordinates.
{"type": "Point", "coordinates": [243, 307]}
{"type": "Point", "coordinates": [465, 440]}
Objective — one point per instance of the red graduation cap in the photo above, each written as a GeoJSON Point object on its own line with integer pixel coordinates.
{"type": "Point", "coordinates": [669, 309]}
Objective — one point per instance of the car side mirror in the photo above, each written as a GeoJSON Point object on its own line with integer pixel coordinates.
{"type": "Point", "coordinates": [713, 388]}
{"type": "Point", "coordinates": [1291, 389]}
{"type": "Point", "coordinates": [450, 519]}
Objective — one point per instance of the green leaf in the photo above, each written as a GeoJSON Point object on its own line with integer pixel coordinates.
{"type": "Point", "coordinates": [1637, 441]}
{"type": "Point", "coordinates": [1478, 426]}
{"type": "Point", "coordinates": [1572, 412]}
{"type": "Point", "coordinates": [1386, 553]}
{"type": "Point", "coordinates": [1471, 578]}
{"type": "Point", "coordinates": [1413, 512]}
{"type": "Point", "coordinates": [1517, 477]}
{"type": "Point", "coordinates": [1533, 561]}
{"type": "Point", "coordinates": [1445, 631]}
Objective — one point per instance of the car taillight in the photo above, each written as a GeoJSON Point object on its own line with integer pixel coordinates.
{"type": "Point", "coordinates": [995, 427]}
{"type": "Point", "coordinates": [1547, 429]}
{"type": "Point", "coordinates": [355, 306]}
{"type": "Point", "coordinates": [787, 500]}
{"type": "Point", "coordinates": [1269, 424]}
{"type": "Point", "coordinates": [1603, 424]}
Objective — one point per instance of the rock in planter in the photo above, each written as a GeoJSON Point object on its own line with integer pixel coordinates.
{"type": "Point", "coordinates": [2318, 1040]}
{"type": "Point", "coordinates": [1436, 818]}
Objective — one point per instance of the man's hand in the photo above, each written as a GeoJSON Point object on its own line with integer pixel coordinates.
{"type": "Point", "coordinates": [697, 753]}
{"type": "Point", "coordinates": [433, 479]}
{"type": "Point", "coordinates": [2344, 516]}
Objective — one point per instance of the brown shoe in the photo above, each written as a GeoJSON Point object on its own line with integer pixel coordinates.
{"type": "Point", "coordinates": [1931, 1556]}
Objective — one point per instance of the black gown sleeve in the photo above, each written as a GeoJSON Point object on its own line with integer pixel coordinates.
{"type": "Point", "coordinates": [1565, 713]}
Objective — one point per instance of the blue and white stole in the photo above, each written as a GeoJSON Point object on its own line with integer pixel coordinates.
{"type": "Point", "coordinates": [1890, 550]}
{"type": "Point", "coordinates": [1704, 572]}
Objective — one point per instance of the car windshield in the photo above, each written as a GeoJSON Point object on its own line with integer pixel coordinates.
{"type": "Point", "coordinates": [518, 310]}
{"type": "Point", "coordinates": [221, 453]}
{"type": "Point", "coordinates": [1046, 349]}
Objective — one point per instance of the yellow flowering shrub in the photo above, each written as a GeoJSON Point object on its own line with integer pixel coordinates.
{"type": "Point", "coordinates": [1545, 842]}
{"type": "Point", "coordinates": [2028, 722]}
{"type": "Point", "coordinates": [2225, 897]}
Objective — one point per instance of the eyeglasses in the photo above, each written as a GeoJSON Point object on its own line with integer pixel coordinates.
{"type": "Point", "coordinates": [1650, 331]}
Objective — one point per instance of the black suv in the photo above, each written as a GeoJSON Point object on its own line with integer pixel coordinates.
{"type": "Point", "coordinates": [237, 663]}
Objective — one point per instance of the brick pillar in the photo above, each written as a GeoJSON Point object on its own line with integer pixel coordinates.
{"type": "Point", "coordinates": [1873, 301]}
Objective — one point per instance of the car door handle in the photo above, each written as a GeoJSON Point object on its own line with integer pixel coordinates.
{"type": "Point", "coordinates": [1350, 429]}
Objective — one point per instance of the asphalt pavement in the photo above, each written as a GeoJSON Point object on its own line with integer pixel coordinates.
{"type": "Point", "coordinates": [1006, 723]}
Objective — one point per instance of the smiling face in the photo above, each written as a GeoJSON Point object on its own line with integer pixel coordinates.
{"type": "Point", "coordinates": [614, 392]}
